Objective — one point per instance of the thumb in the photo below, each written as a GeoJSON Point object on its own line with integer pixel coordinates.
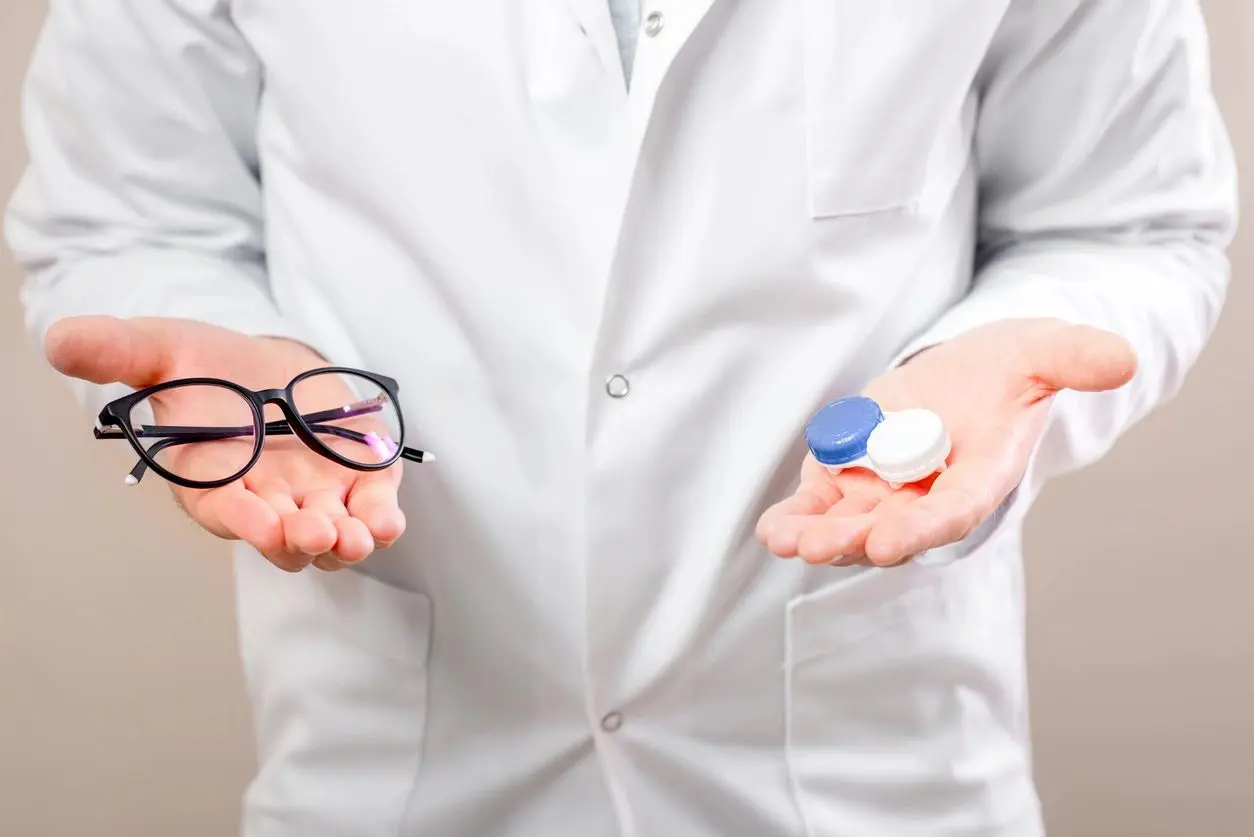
{"type": "Point", "coordinates": [1081, 358]}
{"type": "Point", "coordinates": [105, 350]}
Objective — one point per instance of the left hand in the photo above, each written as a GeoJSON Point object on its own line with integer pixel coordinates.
{"type": "Point", "coordinates": [992, 387]}
{"type": "Point", "coordinates": [294, 507]}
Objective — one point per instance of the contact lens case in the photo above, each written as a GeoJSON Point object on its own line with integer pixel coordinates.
{"type": "Point", "coordinates": [900, 447]}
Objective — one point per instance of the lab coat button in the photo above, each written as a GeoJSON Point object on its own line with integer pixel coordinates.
{"type": "Point", "coordinates": [653, 23]}
{"type": "Point", "coordinates": [612, 722]}
{"type": "Point", "coordinates": [617, 386]}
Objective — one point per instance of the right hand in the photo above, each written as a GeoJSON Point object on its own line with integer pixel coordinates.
{"type": "Point", "coordinates": [295, 507]}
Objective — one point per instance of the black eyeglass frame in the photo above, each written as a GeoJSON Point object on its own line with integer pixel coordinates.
{"type": "Point", "coordinates": [114, 422]}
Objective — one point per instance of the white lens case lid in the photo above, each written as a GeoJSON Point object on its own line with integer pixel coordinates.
{"type": "Point", "coordinates": [908, 446]}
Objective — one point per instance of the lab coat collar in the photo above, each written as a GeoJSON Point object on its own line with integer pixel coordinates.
{"type": "Point", "coordinates": [594, 19]}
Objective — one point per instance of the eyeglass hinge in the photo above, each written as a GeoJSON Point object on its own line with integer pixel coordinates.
{"type": "Point", "coordinates": [102, 432]}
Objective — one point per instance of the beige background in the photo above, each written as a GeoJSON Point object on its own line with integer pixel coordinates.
{"type": "Point", "coordinates": [121, 707]}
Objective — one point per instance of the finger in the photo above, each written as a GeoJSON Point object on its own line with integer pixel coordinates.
{"type": "Point", "coordinates": [315, 528]}
{"type": "Point", "coordinates": [276, 491]}
{"type": "Point", "coordinates": [329, 563]}
{"type": "Point", "coordinates": [1081, 358]}
{"type": "Point", "coordinates": [945, 516]}
{"type": "Point", "coordinates": [281, 501]}
{"type": "Point", "coordinates": [831, 540]}
{"type": "Point", "coordinates": [786, 532]}
{"type": "Point", "coordinates": [277, 494]}
{"type": "Point", "coordinates": [235, 513]}
{"type": "Point", "coordinates": [372, 500]}
{"type": "Point", "coordinates": [807, 501]}
{"type": "Point", "coordinates": [838, 535]}
{"type": "Point", "coordinates": [860, 491]}
{"type": "Point", "coordinates": [308, 533]}
{"type": "Point", "coordinates": [326, 501]}
{"type": "Point", "coordinates": [288, 561]}
{"type": "Point", "coordinates": [962, 498]}
{"type": "Point", "coordinates": [139, 353]}
{"type": "Point", "coordinates": [353, 542]}
{"type": "Point", "coordinates": [858, 502]}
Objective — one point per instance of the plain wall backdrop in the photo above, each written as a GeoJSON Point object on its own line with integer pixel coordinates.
{"type": "Point", "coordinates": [122, 711]}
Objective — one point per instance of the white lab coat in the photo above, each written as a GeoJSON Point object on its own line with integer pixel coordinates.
{"type": "Point", "coordinates": [579, 635]}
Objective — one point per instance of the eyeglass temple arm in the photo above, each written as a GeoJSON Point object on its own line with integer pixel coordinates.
{"type": "Point", "coordinates": [278, 426]}
{"type": "Point", "coordinates": [223, 434]}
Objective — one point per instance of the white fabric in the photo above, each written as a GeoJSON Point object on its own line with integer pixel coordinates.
{"type": "Point", "coordinates": [790, 198]}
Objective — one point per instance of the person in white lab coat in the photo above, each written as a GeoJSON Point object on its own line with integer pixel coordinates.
{"type": "Point", "coordinates": [612, 301]}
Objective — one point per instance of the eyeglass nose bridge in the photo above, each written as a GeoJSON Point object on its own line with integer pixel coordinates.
{"type": "Point", "coordinates": [279, 397]}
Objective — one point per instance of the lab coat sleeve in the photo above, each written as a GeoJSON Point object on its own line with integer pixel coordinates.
{"type": "Point", "coordinates": [142, 196]}
{"type": "Point", "coordinates": [1108, 198]}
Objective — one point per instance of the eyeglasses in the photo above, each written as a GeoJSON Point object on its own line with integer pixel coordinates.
{"type": "Point", "coordinates": [208, 432]}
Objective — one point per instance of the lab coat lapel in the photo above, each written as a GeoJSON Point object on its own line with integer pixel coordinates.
{"type": "Point", "coordinates": [594, 18]}
{"type": "Point", "coordinates": [654, 55]}
{"type": "Point", "coordinates": [660, 43]}
{"type": "Point", "coordinates": [680, 20]}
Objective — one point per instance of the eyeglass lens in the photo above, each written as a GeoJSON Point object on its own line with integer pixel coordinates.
{"type": "Point", "coordinates": [352, 415]}
{"type": "Point", "coordinates": [199, 432]}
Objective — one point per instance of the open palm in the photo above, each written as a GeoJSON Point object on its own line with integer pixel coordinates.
{"type": "Point", "coordinates": [992, 388]}
{"type": "Point", "coordinates": [294, 506]}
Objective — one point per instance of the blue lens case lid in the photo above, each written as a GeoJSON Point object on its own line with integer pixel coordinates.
{"type": "Point", "coordinates": [838, 433]}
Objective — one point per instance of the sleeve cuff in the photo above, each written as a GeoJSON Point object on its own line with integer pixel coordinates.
{"type": "Point", "coordinates": [231, 294]}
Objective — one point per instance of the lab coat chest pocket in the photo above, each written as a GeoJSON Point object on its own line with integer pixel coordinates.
{"type": "Point", "coordinates": [904, 705]}
{"type": "Point", "coordinates": [336, 666]}
{"type": "Point", "coordinates": [889, 99]}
